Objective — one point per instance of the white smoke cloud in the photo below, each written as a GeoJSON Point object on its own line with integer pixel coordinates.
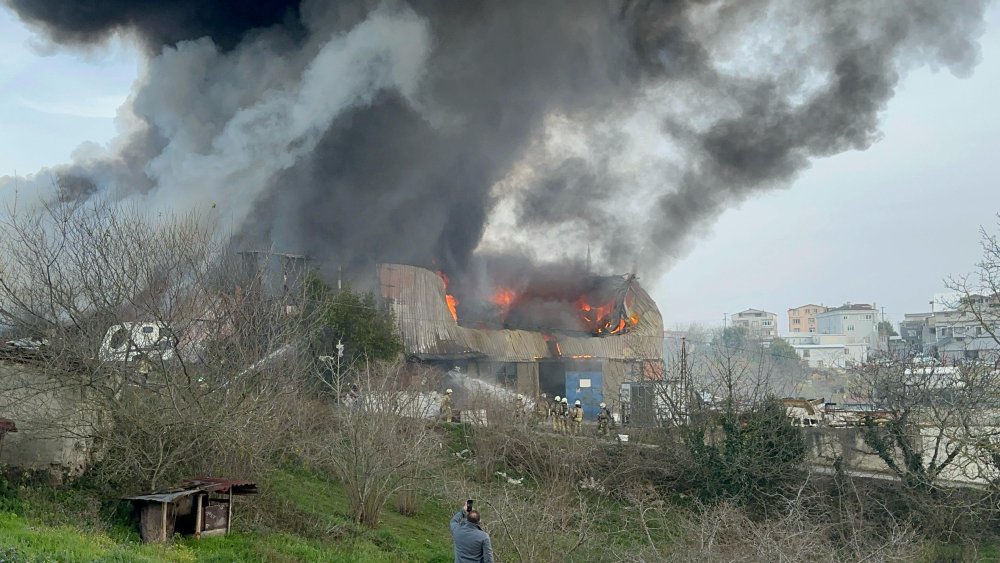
{"type": "Point", "coordinates": [387, 50]}
{"type": "Point", "coordinates": [234, 120]}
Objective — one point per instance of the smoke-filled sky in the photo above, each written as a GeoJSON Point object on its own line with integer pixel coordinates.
{"type": "Point", "coordinates": [765, 153]}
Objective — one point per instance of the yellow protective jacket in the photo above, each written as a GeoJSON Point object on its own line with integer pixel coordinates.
{"type": "Point", "coordinates": [578, 414]}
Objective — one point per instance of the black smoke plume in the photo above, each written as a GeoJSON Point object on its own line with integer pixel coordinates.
{"type": "Point", "coordinates": [433, 131]}
{"type": "Point", "coordinates": [157, 22]}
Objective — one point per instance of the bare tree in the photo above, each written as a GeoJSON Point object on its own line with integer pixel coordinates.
{"type": "Point", "coordinates": [178, 359]}
{"type": "Point", "coordinates": [980, 289]}
{"type": "Point", "coordinates": [927, 421]}
{"type": "Point", "coordinates": [380, 443]}
{"type": "Point", "coordinates": [725, 532]}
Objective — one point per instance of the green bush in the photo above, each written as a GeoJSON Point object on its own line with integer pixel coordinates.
{"type": "Point", "coordinates": [750, 458]}
{"type": "Point", "coordinates": [10, 500]}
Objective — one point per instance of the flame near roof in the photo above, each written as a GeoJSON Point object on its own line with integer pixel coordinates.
{"type": "Point", "coordinates": [429, 331]}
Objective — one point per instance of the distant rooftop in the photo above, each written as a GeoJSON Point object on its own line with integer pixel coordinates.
{"type": "Point", "coordinates": [853, 307]}
{"type": "Point", "coordinates": [807, 305]}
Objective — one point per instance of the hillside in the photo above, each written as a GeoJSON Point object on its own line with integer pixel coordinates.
{"type": "Point", "coordinates": [299, 516]}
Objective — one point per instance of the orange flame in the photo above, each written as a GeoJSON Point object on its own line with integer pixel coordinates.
{"type": "Point", "coordinates": [600, 320]}
{"type": "Point", "coordinates": [449, 298]}
{"type": "Point", "coordinates": [504, 297]}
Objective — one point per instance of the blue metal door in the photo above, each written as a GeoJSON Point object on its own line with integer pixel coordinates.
{"type": "Point", "coordinates": [585, 386]}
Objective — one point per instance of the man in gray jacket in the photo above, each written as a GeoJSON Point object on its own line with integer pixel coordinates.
{"type": "Point", "coordinates": [472, 544]}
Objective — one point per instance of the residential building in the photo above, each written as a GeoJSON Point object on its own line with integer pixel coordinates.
{"type": "Point", "coordinates": [855, 321]}
{"type": "Point", "coordinates": [914, 329]}
{"type": "Point", "coordinates": [759, 324]}
{"type": "Point", "coordinates": [803, 319]}
{"type": "Point", "coordinates": [956, 336]}
{"type": "Point", "coordinates": [820, 351]}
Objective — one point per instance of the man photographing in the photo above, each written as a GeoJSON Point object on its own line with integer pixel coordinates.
{"type": "Point", "coordinates": [472, 544]}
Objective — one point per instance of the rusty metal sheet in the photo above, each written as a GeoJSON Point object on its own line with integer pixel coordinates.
{"type": "Point", "coordinates": [220, 485]}
{"type": "Point", "coordinates": [199, 485]}
{"type": "Point", "coordinates": [216, 517]}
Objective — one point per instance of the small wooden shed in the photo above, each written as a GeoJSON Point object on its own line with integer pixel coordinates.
{"type": "Point", "coordinates": [199, 507]}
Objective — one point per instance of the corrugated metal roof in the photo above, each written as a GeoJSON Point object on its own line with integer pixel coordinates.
{"type": "Point", "coordinates": [165, 496]}
{"type": "Point", "coordinates": [220, 485]}
{"type": "Point", "coordinates": [198, 485]}
{"type": "Point", "coordinates": [417, 297]}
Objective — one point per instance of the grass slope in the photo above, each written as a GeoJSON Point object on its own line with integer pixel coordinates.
{"type": "Point", "coordinates": [314, 508]}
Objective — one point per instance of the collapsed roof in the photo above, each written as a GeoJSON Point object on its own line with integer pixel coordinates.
{"type": "Point", "coordinates": [430, 330]}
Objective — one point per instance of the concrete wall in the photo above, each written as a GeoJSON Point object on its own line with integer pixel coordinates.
{"type": "Point", "coordinates": [826, 444]}
{"type": "Point", "coordinates": [52, 434]}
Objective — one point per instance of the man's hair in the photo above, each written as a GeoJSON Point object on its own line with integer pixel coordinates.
{"type": "Point", "coordinates": [473, 516]}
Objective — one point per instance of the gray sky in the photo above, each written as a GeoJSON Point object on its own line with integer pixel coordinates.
{"type": "Point", "coordinates": [883, 225]}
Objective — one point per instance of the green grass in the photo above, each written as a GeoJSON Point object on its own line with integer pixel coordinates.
{"type": "Point", "coordinates": [953, 553]}
{"type": "Point", "coordinates": [21, 540]}
{"type": "Point", "coordinates": [300, 517]}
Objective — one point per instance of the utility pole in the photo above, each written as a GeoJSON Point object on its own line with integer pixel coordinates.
{"type": "Point", "coordinates": [684, 381]}
{"type": "Point", "coordinates": [725, 319]}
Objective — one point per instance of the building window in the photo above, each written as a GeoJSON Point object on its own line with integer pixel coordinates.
{"type": "Point", "coordinates": [805, 353]}
{"type": "Point", "coordinates": [766, 323]}
{"type": "Point", "coordinates": [797, 321]}
{"type": "Point", "coordinates": [868, 317]}
{"type": "Point", "coordinates": [979, 331]}
{"type": "Point", "coordinates": [850, 328]}
{"type": "Point", "coordinates": [507, 375]}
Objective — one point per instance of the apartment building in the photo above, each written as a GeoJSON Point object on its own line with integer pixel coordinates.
{"type": "Point", "coordinates": [759, 324]}
{"type": "Point", "coordinates": [803, 319]}
{"type": "Point", "coordinates": [855, 321]}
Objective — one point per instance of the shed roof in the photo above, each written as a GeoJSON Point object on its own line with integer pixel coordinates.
{"type": "Point", "coordinates": [199, 485]}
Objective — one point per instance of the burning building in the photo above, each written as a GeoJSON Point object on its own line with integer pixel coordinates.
{"type": "Point", "coordinates": [580, 340]}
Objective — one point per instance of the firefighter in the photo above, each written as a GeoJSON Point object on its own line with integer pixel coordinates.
{"type": "Point", "coordinates": [519, 408]}
{"type": "Point", "coordinates": [604, 420]}
{"type": "Point", "coordinates": [564, 416]}
{"type": "Point", "coordinates": [541, 408]}
{"type": "Point", "coordinates": [577, 416]}
{"type": "Point", "coordinates": [554, 413]}
{"type": "Point", "coordinates": [445, 412]}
